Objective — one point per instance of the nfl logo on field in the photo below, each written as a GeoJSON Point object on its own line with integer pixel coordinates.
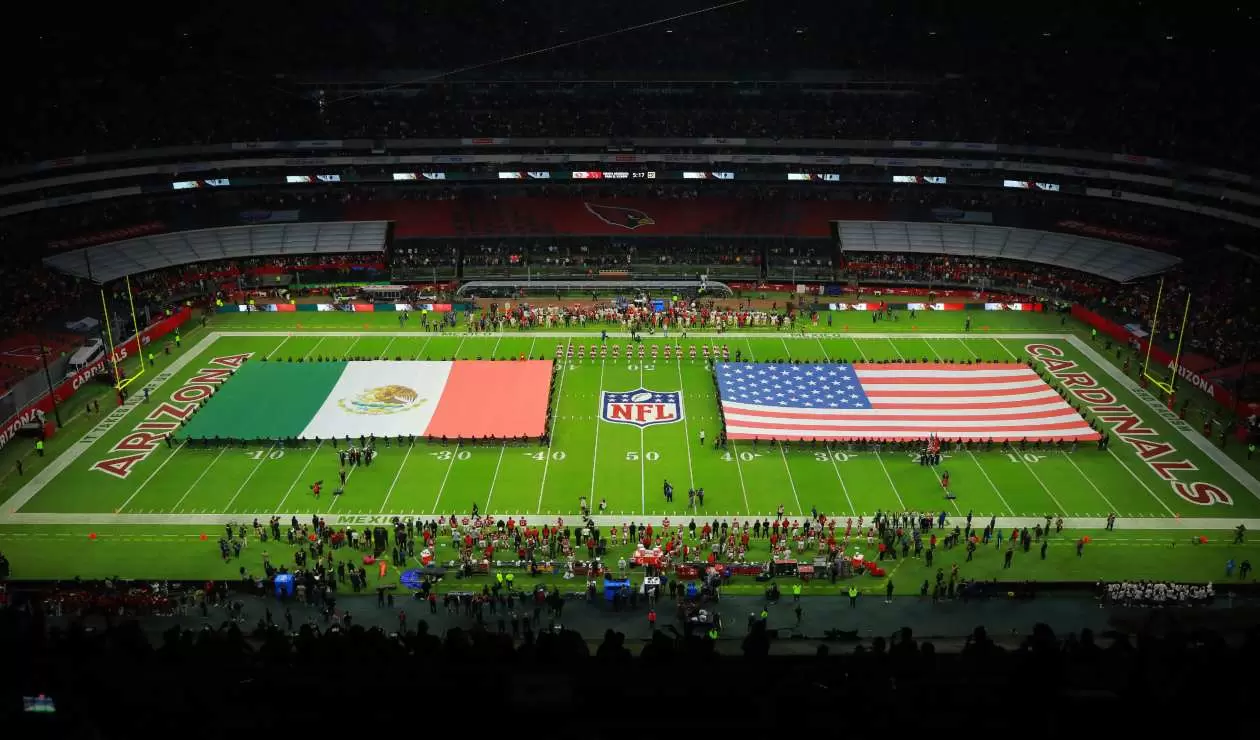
{"type": "Point", "coordinates": [642, 407]}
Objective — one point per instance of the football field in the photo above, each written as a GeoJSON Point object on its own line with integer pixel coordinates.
{"type": "Point", "coordinates": [1157, 473]}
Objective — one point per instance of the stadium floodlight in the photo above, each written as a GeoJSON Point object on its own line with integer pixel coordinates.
{"type": "Point", "coordinates": [1166, 383]}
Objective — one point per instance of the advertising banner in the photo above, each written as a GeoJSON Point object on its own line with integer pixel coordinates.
{"type": "Point", "coordinates": [1217, 392]}
{"type": "Point", "coordinates": [66, 388]}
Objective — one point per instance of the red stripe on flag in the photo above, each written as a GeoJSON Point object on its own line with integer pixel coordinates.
{"type": "Point", "coordinates": [953, 401]}
{"type": "Point", "coordinates": [493, 399]}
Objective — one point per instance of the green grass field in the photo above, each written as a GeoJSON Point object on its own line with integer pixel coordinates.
{"type": "Point", "coordinates": [1183, 484]}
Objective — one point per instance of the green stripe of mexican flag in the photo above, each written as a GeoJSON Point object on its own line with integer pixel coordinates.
{"type": "Point", "coordinates": [309, 400]}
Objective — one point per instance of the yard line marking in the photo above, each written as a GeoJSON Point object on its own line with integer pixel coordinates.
{"type": "Point", "coordinates": [203, 475]}
{"type": "Point", "coordinates": [494, 351]}
{"type": "Point", "coordinates": [454, 457]}
{"type": "Point", "coordinates": [682, 408]}
{"type": "Point", "coordinates": [967, 347]}
{"type": "Point", "coordinates": [333, 498]}
{"type": "Point", "coordinates": [530, 354]}
{"type": "Point", "coordinates": [151, 475]}
{"type": "Point", "coordinates": [786, 349]}
{"type": "Point", "coordinates": [858, 347]}
{"type": "Point", "coordinates": [277, 349]}
{"type": "Point", "coordinates": [302, 472]}
{"type": "Point", "coordinates": [595, 450]}
{"type": "Point", "coordinates": [642, 458]}
{"type": "Point", "coordinates": [791, 481]}
{"type": "Point", "coordinates": [248, 478]}
{"type": "Point", "coordinates": [880, 457]}
{"type": "Point", "coordinates": [739, 468]}
{"type": "Point", "coordinates": [551, 436]}
{"type": "Point", "coordinates": [895, 348]}
{"type": "Point", "coordinates": [458, 347]}
{"type": "Point", "coordinates": [1142, 483]}
{"type": "Point", "coordinates": [495, 479]}
{"type": "Point", "coordinates": [1004, 349]}
{"type": "Point", "coordinates": [831, 455]}
{"type": "Point", "coordinates": [751, 355]}
{"type": "Point", "coordinates": [992, 485]}
{"type": "Point", "coordinates": [1061, 511]}
{"type": "Point", "coordinates": [390, 492]}
{"type": "Point", "coordinates": [346, 353]}
{"type": "Point", "coordinates": [385, 352]}
{"type": "Point", "coordinates": [426, 344]}
{"type": "Point", "coordinates": [308, 354]}
{"type": "Point", "coordinates": [1111, 506]}
{"type": "Point", "coordinates": [836, 467]}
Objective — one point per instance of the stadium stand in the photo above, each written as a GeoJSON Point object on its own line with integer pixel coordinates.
{"type": "Point", "coordinates": [1167, 96]}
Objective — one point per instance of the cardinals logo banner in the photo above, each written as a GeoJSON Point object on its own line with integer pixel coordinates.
{"type": "Point", "coordinates": [626, 218]}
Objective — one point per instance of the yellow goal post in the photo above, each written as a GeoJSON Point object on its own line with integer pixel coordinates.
{"type": "Point", "coordinates": [1166, 382]}
{"type": "Point", "coordinates": [114, 355]}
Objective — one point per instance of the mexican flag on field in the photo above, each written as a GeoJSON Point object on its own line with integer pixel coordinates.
{"type": "Point", "coordinates": [462, 398]}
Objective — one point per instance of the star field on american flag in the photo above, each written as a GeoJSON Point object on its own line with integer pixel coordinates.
{"type": "Point", "coordinates": [829, 386]}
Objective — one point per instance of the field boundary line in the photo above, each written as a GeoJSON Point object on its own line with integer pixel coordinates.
{"type": "Point", "coordinates": [76, 450]}
{"type": "Point", "coordinates": [1187, 525]}
{"type": "Point", "coordinates": [1225, 462]}
{"type": "Point", "coordinates": [595, 333]}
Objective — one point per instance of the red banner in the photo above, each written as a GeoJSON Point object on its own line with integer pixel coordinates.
{"type": "Point", "coordinates": [1217, 392]}
{"type": "Point", "coordinates": [66, 388]}
{"type": "Point", "coordinates": [613, 217]}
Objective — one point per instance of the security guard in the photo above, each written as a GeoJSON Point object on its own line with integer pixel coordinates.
{"type": "Point", "coordinates": [853, 594]}
{"type": "Point", "coordinates": [796, 592]}
{"type": "Point", "coordinates": [39, 447]}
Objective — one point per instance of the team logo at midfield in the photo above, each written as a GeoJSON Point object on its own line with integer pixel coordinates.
{"type": "Point", "coordinates": [642, 407]}
{"type": "Point", "coordinates": [387, 399]}
{"type": "Point", "coordinates": [626, 218]}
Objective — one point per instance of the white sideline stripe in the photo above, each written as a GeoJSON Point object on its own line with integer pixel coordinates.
{"type": "Point", "coordinates": [1226, 463]}
{"type": "Point", "coordinates": [105, 426]}
{"type": "Point", "coordinates": [1187, 525]}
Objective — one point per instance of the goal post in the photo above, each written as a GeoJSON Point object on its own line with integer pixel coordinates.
{"type": "Point", "coordinates": [1165, 381]}
{"type": "Point", "coordinates": [114, 355]}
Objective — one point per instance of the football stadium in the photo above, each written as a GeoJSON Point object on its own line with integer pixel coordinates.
{"type": "Point", "coordinates": [734, 329]}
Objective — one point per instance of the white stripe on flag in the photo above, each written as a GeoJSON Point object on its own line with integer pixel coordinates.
{"type": "Point", "coordinates": [340, 415]}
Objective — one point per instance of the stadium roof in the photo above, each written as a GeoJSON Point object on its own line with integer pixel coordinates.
{"type": "Point", "coordinates": [1113, 260]}
{"type": "Point", "coordinates": [112, 261]}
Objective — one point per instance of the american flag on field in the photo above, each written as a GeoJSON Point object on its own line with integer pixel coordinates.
{"type": "Point", "coordinates": [893, 401]}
